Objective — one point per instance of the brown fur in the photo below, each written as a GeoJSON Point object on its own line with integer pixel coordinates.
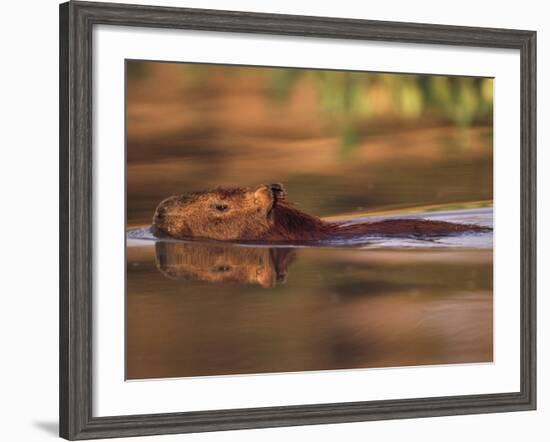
{"type": "Point", "coordinates": [264, 214]}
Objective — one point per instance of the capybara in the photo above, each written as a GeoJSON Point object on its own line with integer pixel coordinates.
{"type": "Point", "coordinates": [265, 214]}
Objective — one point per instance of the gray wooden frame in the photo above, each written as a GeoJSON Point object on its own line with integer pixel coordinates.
{"type": "Point", "coordinates": [77, 20]}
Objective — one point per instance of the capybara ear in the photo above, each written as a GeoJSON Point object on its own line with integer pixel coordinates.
{"type": "Point", "coordinates": [278, 190]}
{"type": "Point", "coordinates": [264, 197]}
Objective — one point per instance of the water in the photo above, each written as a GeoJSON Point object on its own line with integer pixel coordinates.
{"type": "Point", "coordinates": [209, 308]}
{"type": "Point", "coordinates": [365, 145]}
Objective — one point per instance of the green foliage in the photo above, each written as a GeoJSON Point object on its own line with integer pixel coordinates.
{"type": "Point", "coordinates": [349, 139]}
{"type": "Point", "coordinates": [281, 82]}
{"type": "Point", "coordinates": [353, 100]}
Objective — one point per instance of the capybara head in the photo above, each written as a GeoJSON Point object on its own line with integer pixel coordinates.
{"type": "Point", "coordinates": [220, 214]}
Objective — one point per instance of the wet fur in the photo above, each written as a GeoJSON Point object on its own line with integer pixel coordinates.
{"type": "Point", "coordinates": [264, 214]}
{"type": "Point", "coordinates": [290, 224]}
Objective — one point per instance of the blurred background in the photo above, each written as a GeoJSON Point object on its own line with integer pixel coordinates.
{"type": "Point", "coordinates": [341, 142]}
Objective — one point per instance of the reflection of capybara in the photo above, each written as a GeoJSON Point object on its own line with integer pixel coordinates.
{"type": "Point", "coordinates": [264, 214]}
{"type": "Point", "coordinates": [223, 263]}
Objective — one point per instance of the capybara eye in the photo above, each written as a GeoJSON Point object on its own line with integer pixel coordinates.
{"type": "Point", "coordinates": [221, 269]}
{"type": "Point", "coordinates": [221, 207]}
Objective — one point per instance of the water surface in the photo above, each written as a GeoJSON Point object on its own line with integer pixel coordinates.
{"type": "Point", "coordinates": [210, 308]}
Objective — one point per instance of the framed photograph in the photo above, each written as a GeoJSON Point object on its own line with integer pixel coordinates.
{"type": "Point", "coordinates": [272, 220]}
